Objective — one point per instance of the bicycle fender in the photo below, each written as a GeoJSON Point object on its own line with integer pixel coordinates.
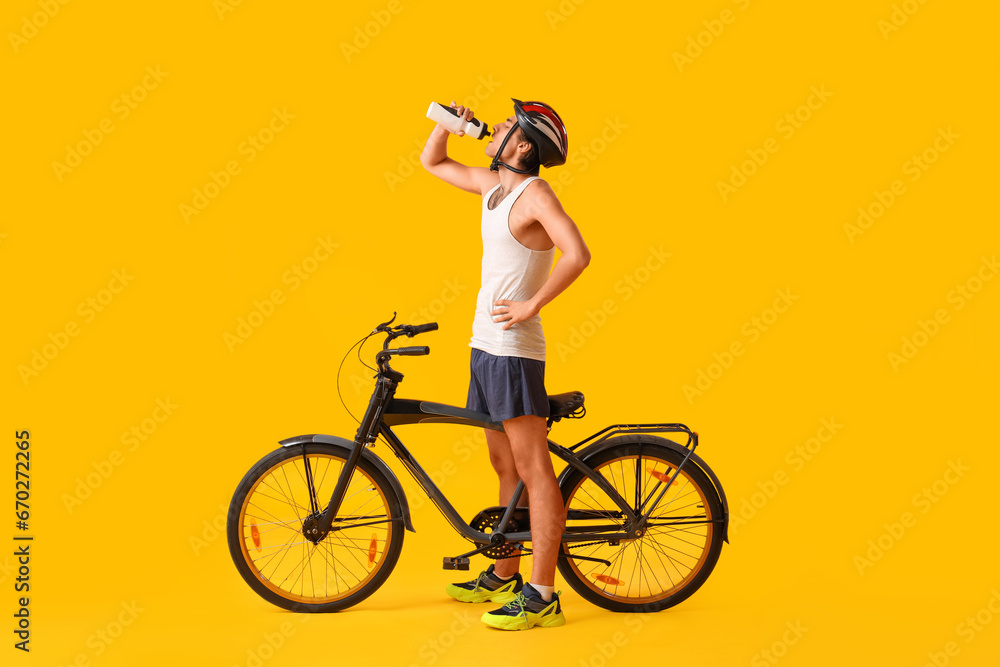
{"type": "Point", "coordinates": [592, 450]}
{"type": "Point", "coordinates": [368, 456]}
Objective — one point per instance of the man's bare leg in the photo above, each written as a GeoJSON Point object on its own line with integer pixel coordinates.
{"type": "Point", "coordinates": [503, 462]}
{"type": "Point", "coordinates": [528, 438]}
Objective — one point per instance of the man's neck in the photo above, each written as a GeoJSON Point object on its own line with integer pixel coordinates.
{"type": "Point", "coordinates": [510, 179]}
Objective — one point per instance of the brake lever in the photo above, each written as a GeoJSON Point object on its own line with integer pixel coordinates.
{"type": "Point", "coordinates": [385, 325]}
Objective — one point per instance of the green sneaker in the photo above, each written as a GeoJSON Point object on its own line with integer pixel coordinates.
{"type": "Point", "coordinates": [487, 587]}
{"type": "Point", "coordinates": [525, 611]}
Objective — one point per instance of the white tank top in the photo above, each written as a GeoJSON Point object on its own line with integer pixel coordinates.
{"type": "Point", "coordinates": [510, 271]}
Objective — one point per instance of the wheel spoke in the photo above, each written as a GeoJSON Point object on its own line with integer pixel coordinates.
{"type": "Point", "coordinates": [339, 565]}
{"type": "Point", "coordinates": [676, 541]}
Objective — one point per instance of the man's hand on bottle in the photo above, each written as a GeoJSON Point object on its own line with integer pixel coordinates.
{"type": "Point", "coordinates": [463, 113]}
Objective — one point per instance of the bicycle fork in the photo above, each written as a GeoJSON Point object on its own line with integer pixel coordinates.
{"type": "Point", "coordinates": [319, 524]}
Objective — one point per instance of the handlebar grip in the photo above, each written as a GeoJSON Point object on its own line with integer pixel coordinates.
{"type": "Point", "coordinates": [421, 328]}
{"type": "Point", "coordinates": [412, 351]}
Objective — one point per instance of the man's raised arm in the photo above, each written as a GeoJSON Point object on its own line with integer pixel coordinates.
{"type": "Point", "coordinates": [435, 159]}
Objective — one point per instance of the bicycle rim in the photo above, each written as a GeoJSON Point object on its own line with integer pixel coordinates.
{"type": "Point", "coordinates": [670, 554]}
{"type": "Point", "coordinates": [289, 565]}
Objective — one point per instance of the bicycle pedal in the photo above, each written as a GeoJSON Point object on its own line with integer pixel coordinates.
{"type": "Point", "coordinates": [456, 563]}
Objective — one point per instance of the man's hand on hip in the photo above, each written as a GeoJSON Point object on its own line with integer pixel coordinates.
{"type": "Point", "coordinates": [513, 312]}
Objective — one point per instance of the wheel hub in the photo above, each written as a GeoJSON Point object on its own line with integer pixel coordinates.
{"type": "Point", "coordinates": [310, 529]}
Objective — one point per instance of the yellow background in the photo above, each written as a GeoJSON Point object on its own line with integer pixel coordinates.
{"type": "Point", "coordinates": [343, 169]}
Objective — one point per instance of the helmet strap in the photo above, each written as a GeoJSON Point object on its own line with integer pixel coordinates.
{"type": "Point", "coordinates": [496, 164]}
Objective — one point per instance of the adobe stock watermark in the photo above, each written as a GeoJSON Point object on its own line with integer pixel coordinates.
{"type": "Point", "coordinates": [435, 648]}
{"type": "Point", "coordinates": [696, 45]}
{"type": "Point", "coordinates": [211, 530]}
{"type": "Point", "coordinates": [223, 7]}
{"type": "Point", "coordinates": [437, 306]}
{"type": "Point", "coordinates": [271, 643]}
{"type": "Point", "coordinates": [605, 651]}
{"type": "Point", "coordinates": [582, 156]}
{"type": "Point", "coordinates": [364, 34]}
{"type": "Point", "coordinates": [898, 17]}
{"type": "Point", "coordinates": [914, 167]}
{"type": "Point", "coordinates": [464, 449]}
{"type": "Point", "coordinates": [626, 287]}
{"type": "Point", "coordinates": [967, 629]}
{"type": "Point", "coordinates": [796, 458]}
{"type": "Point", "coordinates": [959, 296]}
{"type": "Point", "coordinates": [131, 439]}
{"type": "Point", "coordinates": [409, 164]}
{"type": "Point", "coordinates": [779, 649]}
{"type": "Point", "coordinates": [264, 308]}
{"type": "Point", "coordinates": [60, 339]}
{"type": "Point", "coordinates": [99, 641]}
{"type": "Point", "coordinates": [37, 21]}
{"type": "Point", "coordinates": [752, 330]}
{"type": "Point", "coordinates": [361, 380]}
{"type": "Point", "coordinates": [7, 569]}
{"type": "Point", "coordinates": [562, 12]}
{"type": "Point", "coordinates": [121, 107]}
{"type": "Point", "coordinates": [786, 127]}
{"type": "Point", "coordinates": [923, 501]}
{"type": "Point", "coordinates": [249, 148]}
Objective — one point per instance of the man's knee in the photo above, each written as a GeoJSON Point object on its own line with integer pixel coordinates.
{"type": "Point", "coordinates": [503, 464]}
{"type": "Point", "coordinates": [501, 456]}
{"type": "Point", "coordinates": [539, 479]}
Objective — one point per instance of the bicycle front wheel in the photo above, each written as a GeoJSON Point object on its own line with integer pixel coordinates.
{"type": "Point", "coordinates": [680, 545]}
{"type": "Point", "coordinates": [267, 536]}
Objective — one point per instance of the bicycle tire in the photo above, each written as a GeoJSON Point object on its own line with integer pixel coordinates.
{"type": "Point", "coordinates": [671, 548]}
{"type": "Point", "coordinates": [269, 486]}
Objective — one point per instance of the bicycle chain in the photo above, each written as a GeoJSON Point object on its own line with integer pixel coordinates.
{"type": "Point", "coordinates": [587, 544]}
{"type": "Point", "coordinates": [528, 552]}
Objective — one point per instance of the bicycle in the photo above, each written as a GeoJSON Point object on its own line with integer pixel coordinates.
{"type": "Point", "coordinates": [302, 556]}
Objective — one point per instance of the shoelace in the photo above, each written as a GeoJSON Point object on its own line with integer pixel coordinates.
{"type": "Point", "coordinates": [479, 580]}
{"type": "Point", "coordinates": [519, 602]}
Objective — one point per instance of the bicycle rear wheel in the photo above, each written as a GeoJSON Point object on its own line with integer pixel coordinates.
{"type": "Point", "coordinates": [679, 547]}
{"type": "Point", "coordinates": [267, 540]}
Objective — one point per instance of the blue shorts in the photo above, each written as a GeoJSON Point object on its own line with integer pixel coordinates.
{"type": "Point", "coordinates": [507, 387]}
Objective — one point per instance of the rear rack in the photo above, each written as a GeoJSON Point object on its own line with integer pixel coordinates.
{"type": "Point", "coordinates": [615, 429]}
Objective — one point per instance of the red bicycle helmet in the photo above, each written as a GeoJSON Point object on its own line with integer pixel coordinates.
{"type": "Point", "coordinates": [544, 128]}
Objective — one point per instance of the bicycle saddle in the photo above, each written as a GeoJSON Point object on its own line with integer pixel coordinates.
{"type": "Point", "coordinates": [563, 405]}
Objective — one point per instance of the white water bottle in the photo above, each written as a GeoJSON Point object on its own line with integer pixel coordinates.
{"type": "Point", "coordinates": [449, 118]}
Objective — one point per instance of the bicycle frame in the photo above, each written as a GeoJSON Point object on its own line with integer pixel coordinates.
{"type": "Point", "coordinates": [385, 411]}
{"type": "Point", "coordinates": [408, 411]}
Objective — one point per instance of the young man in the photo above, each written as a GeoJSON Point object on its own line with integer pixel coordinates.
{"type": "Point", "coordinates": [522, 225]}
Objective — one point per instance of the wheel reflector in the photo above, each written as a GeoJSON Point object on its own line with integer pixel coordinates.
{"type": "Point", "coordinates": [372, 549]}
{"type": "Point", "coordinates": [605, 579]}
{"type": "Point", "coordinates": [663, 477]}
{"type": "Point", "coordinates": [255, 534]}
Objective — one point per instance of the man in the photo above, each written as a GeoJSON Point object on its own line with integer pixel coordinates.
{"type": "Point", "coordinates": [523, 223]}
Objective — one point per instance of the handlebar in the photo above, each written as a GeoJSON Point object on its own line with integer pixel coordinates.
{"type": "Point", "coordinates": [408, 330]}
{"type": "Point", "coordinates": [410, 351]}
{"type": "Point", "coordinates": [393, 332]}
{"type": "Point", "coordinates": [421, 328]}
